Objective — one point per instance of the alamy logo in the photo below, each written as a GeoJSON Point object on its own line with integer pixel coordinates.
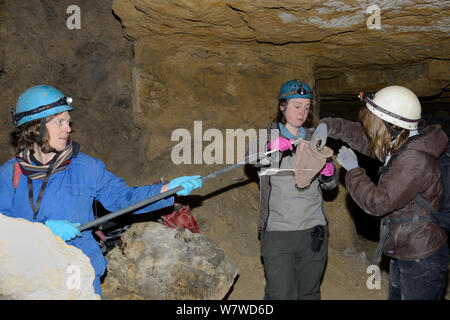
{"type": "Point", "coordinates": [220, 149]}
{"type": "Point", "coordinates": [74, 20]}
{"type": "Point", "coordinates": [374, 21]}
{"type": "Point", "coordinates": [74, 280]}
{"type": "Point", "coordinates": [374, 281]}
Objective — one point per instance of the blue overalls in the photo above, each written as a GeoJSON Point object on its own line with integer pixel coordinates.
{"type": "Point", "coordinates": [69, 195]}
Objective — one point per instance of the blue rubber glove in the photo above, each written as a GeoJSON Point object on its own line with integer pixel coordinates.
{"type": "Point", "coordinates": [189, 183]}
{"type": "Point", "coordinates": [64, 229]}
{"type": "Point", "coordinates": [347, 158]}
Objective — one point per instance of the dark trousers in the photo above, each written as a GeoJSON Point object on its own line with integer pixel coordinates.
{"type": "Point", "coordinates": [425, 279]}
{"type": "Point", "coordinates": [293, 270]}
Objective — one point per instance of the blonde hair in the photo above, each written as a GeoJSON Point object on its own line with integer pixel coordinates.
{"type": "Point", "coordinates": [379, 137]}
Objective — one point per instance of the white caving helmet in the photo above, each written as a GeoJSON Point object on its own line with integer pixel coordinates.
{"type": "Point", "coordinates": [395, 104]}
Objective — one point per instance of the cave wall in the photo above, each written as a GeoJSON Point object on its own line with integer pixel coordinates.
{"type": "Point", "coordinates": [91, 64]}
{"type": "Point", "coordinates": [223, 85]}
{"type": "Point", "coordinates": [338, 36]}
{"type": "Point", "coordinates": [240, 52]}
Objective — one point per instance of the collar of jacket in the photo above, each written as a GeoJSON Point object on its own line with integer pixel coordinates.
{"type": "Point", "coordinates": [76, 149]}
{"type": "Point", "coordinates": [274, 125]}
{"type": "Point", "coordinates": [432, 140]}
{"type": "Point", "coordinates": [288, 135]}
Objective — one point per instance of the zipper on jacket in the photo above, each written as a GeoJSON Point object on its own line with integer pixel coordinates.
{"type": "Point", "coordinates": [268, 206]}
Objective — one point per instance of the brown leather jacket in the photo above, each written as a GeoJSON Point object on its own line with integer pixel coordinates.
{"type": "Point", "coordinates": [413, 170]}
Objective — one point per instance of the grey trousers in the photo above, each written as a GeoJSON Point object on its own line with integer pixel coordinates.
{"type": "Point", "coordinates": [293, 270]}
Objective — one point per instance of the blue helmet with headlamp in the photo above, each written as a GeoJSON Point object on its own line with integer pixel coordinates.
{"type": "Point", "coordinates": [39, 102]}
{"type": "Point", "coordinates": [295, 89]}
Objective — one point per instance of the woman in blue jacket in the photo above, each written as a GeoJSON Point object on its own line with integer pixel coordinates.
{"type": "Point", "coordinates": [58, 183]}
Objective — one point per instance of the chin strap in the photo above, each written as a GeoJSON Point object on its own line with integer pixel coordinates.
{"type": "Point", "coordinates": [41, 131]}
{"type": "Point", "coordinates": [393, 133]}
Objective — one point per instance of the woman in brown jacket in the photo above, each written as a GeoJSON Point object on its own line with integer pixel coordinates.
{"type": "Point", "coordinates": [409, 179]}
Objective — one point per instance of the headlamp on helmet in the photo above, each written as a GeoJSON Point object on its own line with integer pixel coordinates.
{"type": "Point", "coordinates": [16, 117]}
{"type": "Point", "coordinates": [295, 89]}
{"type": "Point", "coordinates": [39, 102]}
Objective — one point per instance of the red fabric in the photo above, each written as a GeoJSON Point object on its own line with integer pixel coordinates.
{"type": "Point", "coordinates": [17, 172]}
{"type": "Point", "coordinates": [182, 217]}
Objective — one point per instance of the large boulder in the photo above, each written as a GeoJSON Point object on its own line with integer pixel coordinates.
{"type": "Point", "coordinates": [34, 264]}
{"type": "Point", "coordinates": [157, 262]}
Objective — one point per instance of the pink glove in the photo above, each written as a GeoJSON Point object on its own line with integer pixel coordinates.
{"type": "Point", "coordinates": [328, 169]}
{"type": "Point", "coordinates": [281, 144]}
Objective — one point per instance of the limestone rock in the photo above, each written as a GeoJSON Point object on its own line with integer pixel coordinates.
{"type": "Point", "coordinates": [157, 262]}
{"type": "Point", "coordinates": [34, 264]}
{"type": "Point", "coordinates": [222, 84]}
{"type": "Point", "coordinates": [350, 43]}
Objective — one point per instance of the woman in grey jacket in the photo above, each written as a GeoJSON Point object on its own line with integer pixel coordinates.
{"type": "Point", "coordinates": [292, 224]}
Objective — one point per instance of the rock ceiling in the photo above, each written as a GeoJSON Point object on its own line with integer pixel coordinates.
{"type": "Point", "coordinates": [347, 42]}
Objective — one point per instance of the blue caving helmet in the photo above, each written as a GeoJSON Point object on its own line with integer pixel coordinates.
{"type": "Point", "coordinates": [295, 89]}
{"type": "Point", "coordinates": [39, 102]}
